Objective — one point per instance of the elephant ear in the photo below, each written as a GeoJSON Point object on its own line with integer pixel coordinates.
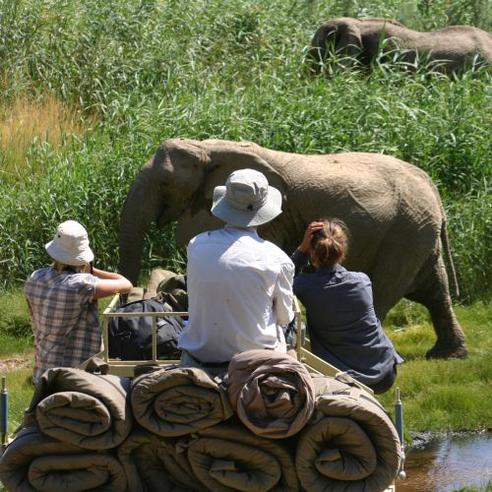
{"type": "Point", "coordinates": [323, 39]}
{"type": "Point", "coordinates": [228, 158]}
{"type": "Point", "coordinates": [182, 170]}
{"type": "Point", "coordinates": [187, 162]}
{"type": "Point", "coordinates": [349, 39]}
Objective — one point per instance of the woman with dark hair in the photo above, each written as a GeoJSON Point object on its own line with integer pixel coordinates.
{"type": "Point", "coordinates": [342, 324]}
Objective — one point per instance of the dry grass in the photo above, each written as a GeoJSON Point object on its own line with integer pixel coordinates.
{"type": "Point", "coordinates": [26, 121]}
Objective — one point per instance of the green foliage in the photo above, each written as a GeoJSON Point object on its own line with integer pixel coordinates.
{"type": "Point", "coordinates": [20, 390]}
{"type": "Point", "coordinates": [14, 316]}
{"type": "Point", "coordinates": [470, 224]}
{"type": "Point", "coordinates": [443, 395]}
{"type": "Point", "coordinates": [15, 325]}
{"type": "Point", "coordinates": [487, 488]}
{"type": "Point", "coordinates": [406, 313]}
{"type": "Point", "coordinates": [147, 70]}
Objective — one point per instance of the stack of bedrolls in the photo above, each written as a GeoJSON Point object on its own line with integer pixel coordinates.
{"type": "Point", "coordinates": [70, 434]}
{"type": "Point", "coordinates": [269, 425]}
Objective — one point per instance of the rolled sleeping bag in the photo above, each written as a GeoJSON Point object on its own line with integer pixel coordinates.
{"type": "Point", "coordinates": [35, 462]}
{"type": "Point", "coordinates": [271, 392]}
{"type": "Point", "coordinates": [156, 464]}
{"type": "Point", "coordinates": [178, 401]}
{"type": "Point", "coordinates": [350, 444]}
{"type": "Point", "coordinates": [228, 457]}
{"type": "Point", "coordinates": [88, 410]}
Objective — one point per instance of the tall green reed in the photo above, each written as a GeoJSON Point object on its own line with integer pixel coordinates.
{"type": "Point", "coordinates": [151, 70]}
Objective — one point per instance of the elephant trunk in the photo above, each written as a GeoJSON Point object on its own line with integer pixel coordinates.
{"type": "Point", "coordinates": [143, 205]}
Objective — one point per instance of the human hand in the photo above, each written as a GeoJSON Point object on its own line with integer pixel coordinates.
{"type": "Point", "coordinates": [305, 246]}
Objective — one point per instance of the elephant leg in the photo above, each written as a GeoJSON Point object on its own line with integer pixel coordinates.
{"type": "Point", "coordinates": [433, 293]}
{"type": "Point", "coordinates": [390, 274]}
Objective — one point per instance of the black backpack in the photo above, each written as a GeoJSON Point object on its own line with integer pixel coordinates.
{"type": "Point", "coordinates": [131, 338]}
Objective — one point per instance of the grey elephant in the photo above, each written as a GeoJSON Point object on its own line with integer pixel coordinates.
{"type": "Point", "coordinates": [454, 47]}
{"type": "Point", "coordinates": [392, 209]}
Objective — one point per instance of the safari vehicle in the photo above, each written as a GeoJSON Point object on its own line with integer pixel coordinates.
{"type": "Point", "coordinates": [314, 364]}
{"type": "Point", "coordinates": [127, 368]}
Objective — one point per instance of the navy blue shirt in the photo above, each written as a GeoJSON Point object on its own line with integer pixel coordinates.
{"type": "Point", "coordinates": [342, 324]}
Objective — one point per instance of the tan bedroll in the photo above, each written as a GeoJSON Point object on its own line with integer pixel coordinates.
{"type": "Point", "coordinates": [127, 367]}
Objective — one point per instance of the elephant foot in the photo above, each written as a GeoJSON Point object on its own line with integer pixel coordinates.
{"type": "Point", "coordinates": [442, 351]}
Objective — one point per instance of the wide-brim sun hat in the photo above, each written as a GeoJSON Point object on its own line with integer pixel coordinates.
{"type": "Point", "coordinates": [246, 200]}
{"type": "Point", "coordinates": [70, 245]}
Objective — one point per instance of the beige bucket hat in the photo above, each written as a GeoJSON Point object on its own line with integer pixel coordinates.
{"type": "Point", "coordinates": [70, 244]}
{"type": "Point", "coordinates": [246, 200]}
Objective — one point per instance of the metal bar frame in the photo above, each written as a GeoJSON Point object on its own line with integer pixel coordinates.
{"type": "Point", "coordinates": [127, 367]}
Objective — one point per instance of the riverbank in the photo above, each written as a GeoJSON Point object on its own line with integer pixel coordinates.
{"type": "Point", "coordinates": [444, 395]}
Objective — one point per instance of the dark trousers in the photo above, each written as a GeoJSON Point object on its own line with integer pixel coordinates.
{"type": "Point", "coordinates": [386, 383]}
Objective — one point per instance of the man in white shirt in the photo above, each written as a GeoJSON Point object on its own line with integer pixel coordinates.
{"type": "Point", "coordinates": [239, 285]}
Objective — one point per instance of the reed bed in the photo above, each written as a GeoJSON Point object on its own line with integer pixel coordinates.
{"type": "Point", "coordinates": [27, 123]}
{"type": "Point", "coordinates": [147, 70]}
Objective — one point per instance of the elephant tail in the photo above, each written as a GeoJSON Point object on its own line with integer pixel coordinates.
{"type": "Point", "coordinates": [453, 280]}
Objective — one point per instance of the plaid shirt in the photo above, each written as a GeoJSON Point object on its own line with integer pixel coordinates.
{"type": "Point", "coordinates": [64, 319]}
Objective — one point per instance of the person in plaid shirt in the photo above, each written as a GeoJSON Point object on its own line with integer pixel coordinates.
{"type": "Point", "coordinates": [62, 301]}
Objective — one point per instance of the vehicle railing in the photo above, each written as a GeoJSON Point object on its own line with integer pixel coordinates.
{"type": "Point", "coordinates": [127, 367]}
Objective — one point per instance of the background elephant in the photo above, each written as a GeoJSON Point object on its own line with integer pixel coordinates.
{"type": "Point", "coordinates": [454, 46]}
{"type": "Point", "coordinates": [393, 211]}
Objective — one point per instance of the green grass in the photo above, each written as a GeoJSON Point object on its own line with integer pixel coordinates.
{"type": "Point", "coordinates": [20, 391]}
{"type": "Point", "coordinates": [487, 488]}
{"type": "Point", "coordinates": [15, 326]}
{"type": "Point", "coordinates": [149, 70]}
{"type": "Point", "coordinates": [444, 395]}
{"type": "Point", "coordinates": [12, 345]}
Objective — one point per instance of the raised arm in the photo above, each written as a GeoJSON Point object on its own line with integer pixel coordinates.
{"type": "Point", "coordinates": [110, 283]}
{"type": "Point", "coordinates": [300, 257]}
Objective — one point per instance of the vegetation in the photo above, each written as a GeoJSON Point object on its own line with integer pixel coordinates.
{"type": "Point", "coordinates": [20, 390]}
{"type": "Point", "coordinates": [443, 395]}
{"type": "Point", "coordinates": [15, 325]}
{"type": "Point", "coordinates": [89, 89]}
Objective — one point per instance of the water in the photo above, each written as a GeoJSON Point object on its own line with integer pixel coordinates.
{"type": "Point", "coordinates": [449, 465]}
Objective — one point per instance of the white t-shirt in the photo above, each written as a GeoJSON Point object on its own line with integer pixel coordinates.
{"type": "Point", "coordinates": [240, 293]}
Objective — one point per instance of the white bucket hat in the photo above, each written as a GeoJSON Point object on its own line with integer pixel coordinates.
{"type": "Point", "coordinates": [70, 244]}
{"type": "Point", "coordinates": [246, 200]}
